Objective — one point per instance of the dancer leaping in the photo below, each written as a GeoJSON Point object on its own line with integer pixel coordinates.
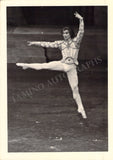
{"type": "Point", "coordinates": [69, 48]}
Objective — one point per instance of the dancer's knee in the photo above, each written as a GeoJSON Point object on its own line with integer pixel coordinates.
{"type": "Point", "coordinates": [47, 66]}
{"type": "Point", "coordinates": [75, 92]}
{"type": "Point", "coordinates": [44, 66]}
{"type": "Point", "coordinates": [75, 89]}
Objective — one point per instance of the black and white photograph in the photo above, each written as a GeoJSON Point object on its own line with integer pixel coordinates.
{"type": "Point", "coordinates": [56, 82]}
{"type": "Point", "coordinates": [57, 78]}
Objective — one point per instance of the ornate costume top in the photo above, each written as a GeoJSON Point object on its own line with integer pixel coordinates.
{"type": "Point", "coordinates": [68, 48]}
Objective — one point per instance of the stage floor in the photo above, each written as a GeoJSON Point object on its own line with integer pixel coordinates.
{"type": "Point", "coordinates": [42, 115]}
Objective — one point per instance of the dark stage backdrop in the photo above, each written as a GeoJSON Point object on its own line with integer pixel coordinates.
{"type": "Point", "coordinates": [24, 19]}
{"type": "Point", "coordinates": [93, 15]}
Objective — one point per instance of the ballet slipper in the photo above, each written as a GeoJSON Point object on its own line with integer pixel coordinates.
{"type": "Point", "coordinates": [23, 65]}
{"type": "Point", "coordinates": [82, 112]}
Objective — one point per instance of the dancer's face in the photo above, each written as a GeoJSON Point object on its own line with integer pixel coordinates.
{"type": "Point", "coordinates": [66, 35]}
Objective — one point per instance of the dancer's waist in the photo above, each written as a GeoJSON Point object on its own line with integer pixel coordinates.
{"type": "Point", "coordinates": [69, 60]}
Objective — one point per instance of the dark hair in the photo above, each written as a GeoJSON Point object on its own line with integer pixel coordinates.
{"type": "Point", "coordinates": [72, 34]}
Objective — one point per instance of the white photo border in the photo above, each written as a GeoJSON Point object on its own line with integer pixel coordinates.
{"type": "Point", "coordinates": [3, 84]}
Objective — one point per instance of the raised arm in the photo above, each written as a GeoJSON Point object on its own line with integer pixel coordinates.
{"type": "Point", "coordinates": [80, 33]}
{"type": "Point", "coordinates": [55, 44]}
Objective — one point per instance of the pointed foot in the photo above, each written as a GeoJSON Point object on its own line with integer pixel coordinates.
{"type": "Point", "coordinates": [82, 112]}
{"type": "Point", "coordinates": [23, 65]}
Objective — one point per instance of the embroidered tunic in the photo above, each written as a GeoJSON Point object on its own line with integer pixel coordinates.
{"type": "Point", "coordinates": [68, 48]}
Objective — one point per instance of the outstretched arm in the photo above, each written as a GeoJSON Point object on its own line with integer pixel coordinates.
{"type": "Point", "coordinates": [80, 33]}
{"type": "Point", "coordinates": [44, 44]}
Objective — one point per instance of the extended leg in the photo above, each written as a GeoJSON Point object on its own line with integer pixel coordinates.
{"type": "Point", "coordinates": [55, 65]}
{"type": "Point", "coordinates": [73, 81]}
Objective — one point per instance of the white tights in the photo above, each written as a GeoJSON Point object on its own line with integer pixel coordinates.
{"type": "Point", "coordinates": [71, 74]}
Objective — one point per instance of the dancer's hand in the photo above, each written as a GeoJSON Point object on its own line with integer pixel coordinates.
{"type": "Point", "coordinates": [77, 15]}
{"type": "Point", "coordinates": [29, 43]}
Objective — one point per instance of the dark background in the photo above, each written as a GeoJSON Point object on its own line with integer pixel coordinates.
{"type": "Point", "coordinates": [47, 120]}
{"type": "Point", "coordinates": [93, 15]}
{"type": "Point", "coordinates": [27, 23]}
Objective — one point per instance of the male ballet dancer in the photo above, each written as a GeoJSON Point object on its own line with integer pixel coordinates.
{"type": "Point", "coordinates": [69, 48]}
